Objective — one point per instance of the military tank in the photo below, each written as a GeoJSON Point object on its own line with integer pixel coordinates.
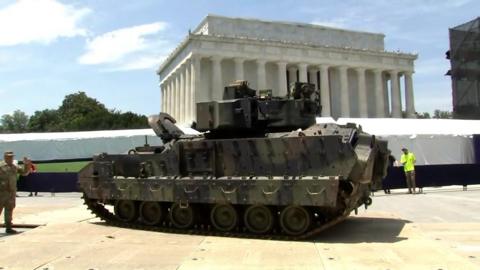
{"type": "Point", "coordinates": [261, 167]}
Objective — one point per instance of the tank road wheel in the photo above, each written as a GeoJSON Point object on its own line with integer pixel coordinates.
{"type": "Point", "coordinates": [151, 213]}
{"type": "Point", "coordinates": [182, 216]}
{"type": "Point", "coordinates": [258, 219]}
{"type": "Point", "coordinates": [126, 210]}
{"type": "Point", "coordinates": [224, 217]}
{"type": "Point", "coordinates": [295, 220]}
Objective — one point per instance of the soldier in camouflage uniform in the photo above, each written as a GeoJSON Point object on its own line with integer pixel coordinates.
{"type": "Point", "coordinates": [8, 186]}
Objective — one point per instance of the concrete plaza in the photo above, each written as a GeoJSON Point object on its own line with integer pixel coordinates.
{"type": "Point", "coordinates": [439, 229]}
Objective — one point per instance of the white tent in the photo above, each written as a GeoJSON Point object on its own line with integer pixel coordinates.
{"type": "Point", "coordinates": [396, 126]}
{"type": "Point", "coordinates": [72, 145]}
{"type": "Point", "coordinates": [434, 141]}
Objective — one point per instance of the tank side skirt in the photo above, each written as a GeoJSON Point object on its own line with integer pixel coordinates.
{"type": "Point", "coordinates": [307, 191]}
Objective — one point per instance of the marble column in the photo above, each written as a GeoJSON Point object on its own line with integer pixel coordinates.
{"type": "Point", "coordinates": [344, 93]}
{"type": "Point", "coordinates": [396, 96]}
{"type": "Point", "coordinates": [188, 93]}
{"type": "Point", "coordinates": [362, 93]}
{"type": "Point", "coordinates": [261, 74]}
{"type": "Point", "coordinates": [239, 73]}
{"type": "Point", "coordinates": [379, 96]}
{"type": "Point", "coordinates": [409, 100]}
{"type": "Point", "coordinates": [386, 95]}
{"type": "Point", "coordinates": [169, 97]}
{"type": "Point", "coordinates": [325, 91]}
{"type": "Point", "coordinates": [313, 77]}
{"type": "Point", "coordinates": [217, 87]}
{"type": "Point", "coordinates": [166, 83]}
{"type": "Point", "coordinates": [282, 79]}
{"type": "Point", "coordinates": [292, 75]}
{"type": "Point", "coordinates": [163, 91]}
{"type": "Point", "coordinates": [302, 72]}
{"type": "Point", "coordinates": [172, 95]}
{"type": "Point", "coordinates": [167, 94]}
{"type": "Point", "coordinates": [181, 95]}
{"type": "Point", "coordinates": [177, 96]}
{"type": "Point", "coordinates": [195, 84]}
{"type": "Point", "coordinates": [164, 96]}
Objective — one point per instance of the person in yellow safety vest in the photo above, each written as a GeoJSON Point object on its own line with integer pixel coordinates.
{"type": "Point", "coordinates": [408, 161]}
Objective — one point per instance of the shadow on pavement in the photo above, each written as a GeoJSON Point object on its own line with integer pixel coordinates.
{"type": "Point", "coordinates": [3, 234]}
{"type": "Point", "coordinates": [352, 230]}
{"type": "Point", "coordinates": [364, 229]}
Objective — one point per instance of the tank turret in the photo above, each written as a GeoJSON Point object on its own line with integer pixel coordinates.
{"type": "Point", "coordinates": [243, 111]}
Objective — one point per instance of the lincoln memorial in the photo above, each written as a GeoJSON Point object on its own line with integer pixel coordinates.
{"type": "Point", "coordinates": [354, 74]}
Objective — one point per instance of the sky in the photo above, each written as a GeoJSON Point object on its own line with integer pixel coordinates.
{"type": "Point", "coordinates": [111, 49]}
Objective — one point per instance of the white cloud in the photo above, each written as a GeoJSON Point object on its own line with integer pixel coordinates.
{"type": "Point", "coordinates": [115, 46]}
{"type": "Point", "coordinates": [42, 21]}
{"type": "Point", "coordinates": [141, 62]}
{"type": "Point", "coordinates": [132, 48]}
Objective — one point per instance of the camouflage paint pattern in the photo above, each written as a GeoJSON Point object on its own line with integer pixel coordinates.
{"type": "Point", "coordinates": [257, 151]}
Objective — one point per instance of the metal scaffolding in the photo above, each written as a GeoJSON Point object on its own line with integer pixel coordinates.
{"type": "Point", "coordinates": [464, 58]}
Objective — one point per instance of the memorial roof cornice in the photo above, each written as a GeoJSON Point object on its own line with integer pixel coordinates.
{"type": "Point", "coordinates": [306, 25]}
{"type": "Point", "coordinates": [280, 43]}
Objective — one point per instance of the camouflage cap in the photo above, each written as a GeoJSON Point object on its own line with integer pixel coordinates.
{"type": "Point", "coordinates": [8, 154]}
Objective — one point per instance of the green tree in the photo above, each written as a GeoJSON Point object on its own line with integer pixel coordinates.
{"type": "Point", "coordinates": [44, 121]}
{"type": "Point", "coordinates": [442, 114]}
{"type": "Point", "coordinates": [128, 120]}
{"type": "Point", "coordinates": [80, 112]}
{"type": "Point", "coordinates": [424, 115]}
{"type": "Point", "coordinates": [17, 122]}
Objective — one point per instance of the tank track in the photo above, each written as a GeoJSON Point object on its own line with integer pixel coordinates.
{"type": "Point", "coordinates": [100, 211]}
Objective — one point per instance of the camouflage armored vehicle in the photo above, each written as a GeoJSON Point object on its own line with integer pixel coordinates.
{"type": "Point", "coordinates": [261, 167]}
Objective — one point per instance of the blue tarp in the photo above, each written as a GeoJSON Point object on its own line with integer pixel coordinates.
{"type": "Point", "coordinates": [49, 182]}
{"type": "Point", "coordinates": [435, 176]}
{"type": "Point", "coordinates": [476, 147]}
{"type": "Point", "coordinates": [426, 176]}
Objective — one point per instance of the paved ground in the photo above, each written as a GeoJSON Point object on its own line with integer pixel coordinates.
{"type": "Point", "coordinates": [439, 229]}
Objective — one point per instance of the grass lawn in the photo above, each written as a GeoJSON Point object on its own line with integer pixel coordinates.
{"type": "Point", "coordinates": [61, 166]}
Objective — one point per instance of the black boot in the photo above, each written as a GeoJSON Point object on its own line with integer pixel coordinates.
{"type": "Point", "coordinates": [10, 231]}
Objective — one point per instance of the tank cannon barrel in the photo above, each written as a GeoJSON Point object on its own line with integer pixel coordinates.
{"type": "Point", "coordinates": [164, 126]}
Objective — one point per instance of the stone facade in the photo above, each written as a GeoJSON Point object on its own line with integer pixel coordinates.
{"type": "Point", "coordinates": [354, 75]}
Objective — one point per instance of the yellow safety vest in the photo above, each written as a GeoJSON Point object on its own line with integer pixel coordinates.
{"type": "Point", "coordinates": [408, 161]}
